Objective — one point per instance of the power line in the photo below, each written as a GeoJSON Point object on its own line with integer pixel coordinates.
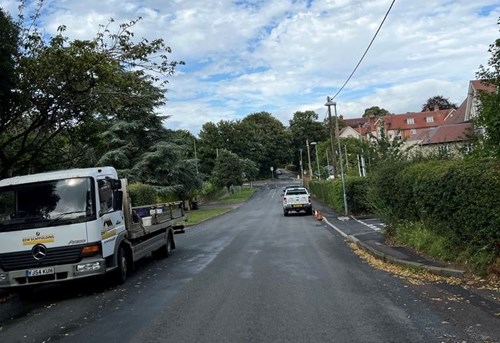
{"type": "Point", "coordinates": [366, 51]}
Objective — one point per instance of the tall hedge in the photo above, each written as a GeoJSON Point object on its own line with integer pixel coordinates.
{"type": "Point", "coordinates": [331, 193]}
{"type": "Point", "coordinates": [459, 199]}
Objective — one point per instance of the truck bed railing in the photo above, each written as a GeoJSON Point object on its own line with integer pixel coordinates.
{"type": "Point", "coordinates": [151, 218]}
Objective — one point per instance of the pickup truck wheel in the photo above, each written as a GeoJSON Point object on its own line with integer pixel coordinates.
{"type": "Point", "coordinates": [285, 213]}
{"type": "Point", "coordinates": [122, 268]}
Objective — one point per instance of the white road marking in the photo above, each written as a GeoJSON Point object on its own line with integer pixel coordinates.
{"type": "Point", "coordinates": [371, 226]}
{"type": "Point", "coordinates": [335, 228]}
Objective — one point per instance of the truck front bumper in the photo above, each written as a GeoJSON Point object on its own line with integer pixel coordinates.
{"type": "Point", "coordinates": [50, 274]}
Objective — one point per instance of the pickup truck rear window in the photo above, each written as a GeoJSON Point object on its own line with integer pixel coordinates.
{"type": "Point", "coordinates": [296, 192]}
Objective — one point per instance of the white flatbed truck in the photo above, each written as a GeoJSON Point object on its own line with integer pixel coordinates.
{"type": "Point", "coordinates": [77, 223]}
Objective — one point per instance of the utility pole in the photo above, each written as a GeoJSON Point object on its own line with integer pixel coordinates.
{"type": "Point", "coordinates": [195, 156]}
{"type": "Point", "coordinates": [309, 160]}
{"type": "Point", "coordinates": [328, 104]}
{"type": "Point", "coordinates": [301, 168]}
{"type": "Point", "coordinates": [346, 158]}
{"type": "Point", "coordinates": [317, 159]}
{"type": "Point", "coordinates": [340, 156]}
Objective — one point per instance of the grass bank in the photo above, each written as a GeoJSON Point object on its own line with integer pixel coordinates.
{"type": "Point", "coordinates": [218, 205]}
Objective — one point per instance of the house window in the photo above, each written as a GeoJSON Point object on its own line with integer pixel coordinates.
{"type": "Point", "coordinates": [430, 119]}
{"type": "Point", "coordinates": [410, 121]}
{"type": "Point", "coordinates": [468, 148]}
{"type": "Point", "coordinates": [413, 131]}
{"type": "Point", "coordinates": [444, 149]}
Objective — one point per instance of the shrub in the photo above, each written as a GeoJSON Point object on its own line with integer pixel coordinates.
{"type": "Point", "coordinates": [142, 194]}
{"type": "Point", "coordinates": [331, 193]}
{"type": "Point", "coordinates": [456, 200]}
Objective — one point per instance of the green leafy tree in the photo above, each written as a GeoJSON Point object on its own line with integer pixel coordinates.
{"type": "Point", "coordinates": [214, 137]}
{"type": "Point", "coordinates": [270, 145]}
{"type": "Point", "coordinates": [305, 126]}
{"type": "Point", "coordinates": [228, 170]}
{"type": "Point", "coordinates": [65, 87]}
{"type": "Point", "coordinates": [386, 151]}
{"type": "Point", "coordinates": [259, 137]}
{"type": "Point", "coordinates": [9, 40]}
{"type": "Point", "coordinates": [489, 104]}
{"type": "Point", "coordinates": [250, 169]}
{"type": "Point", "coordinates": [375, 111]}
{"type": "Point", "coordinates": [165, 166]}
{"type": "Point", "coordinates": [438, 102]}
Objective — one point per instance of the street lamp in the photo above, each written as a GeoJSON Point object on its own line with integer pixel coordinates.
{"type": "Point", "coordinates": [317, 159]}
{"type": "Point", "coordinates": [329, 103]}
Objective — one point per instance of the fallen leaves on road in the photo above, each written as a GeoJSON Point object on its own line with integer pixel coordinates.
{"type": "Point", "coordinates": [413, 276]}
{"type": "Point", "coordinates": [418, 276]}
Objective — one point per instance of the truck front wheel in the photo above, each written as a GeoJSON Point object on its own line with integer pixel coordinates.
{"type": "Point", "coordinates": [122, 267]}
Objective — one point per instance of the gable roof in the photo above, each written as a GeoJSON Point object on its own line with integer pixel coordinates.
{"type": "Point", "coordinates": [482, 85]}
{"type": "Point", "coordinates": [400, 121]}
{"type": "Point", "coordinates": [458, 115]}
{"type": "Point", "coordinates": [355, 122]}
{"type": "Point", "coordinates": [448, 134]}
{"type": "Point", "coordinates": [349, 132]}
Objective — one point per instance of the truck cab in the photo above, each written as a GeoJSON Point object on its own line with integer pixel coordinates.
{"type": "Point", "coordinates": [58, 226]}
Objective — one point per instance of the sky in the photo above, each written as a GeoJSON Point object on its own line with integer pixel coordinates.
{"type": "Point", "coordinates": [284, 56]}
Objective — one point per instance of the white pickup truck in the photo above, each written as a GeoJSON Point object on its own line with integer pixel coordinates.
{"type": "Point", "coordinates": [297, 199]}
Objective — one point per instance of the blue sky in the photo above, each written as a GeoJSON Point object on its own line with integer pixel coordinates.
{"type": "Point", "coordinates": [284, 56]}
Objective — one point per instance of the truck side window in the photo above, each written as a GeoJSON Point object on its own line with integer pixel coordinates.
{"type": "Point", "coordinates": [105, 196]}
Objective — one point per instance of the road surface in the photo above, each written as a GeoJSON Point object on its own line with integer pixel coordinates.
{"type": "Point", "coordinates": [251, 275]}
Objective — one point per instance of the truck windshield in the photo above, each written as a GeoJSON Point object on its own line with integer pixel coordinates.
{"type": "Point", "coordinates": [48, 203]}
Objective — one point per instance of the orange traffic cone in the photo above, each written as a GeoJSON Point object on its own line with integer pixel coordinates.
{"type": "Point", "coordinates": [318, 216]}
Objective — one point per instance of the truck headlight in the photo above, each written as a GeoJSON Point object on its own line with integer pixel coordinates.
{"type": "Point", "coordinates": [88, 267]}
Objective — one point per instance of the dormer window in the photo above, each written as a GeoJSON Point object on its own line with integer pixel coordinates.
{"type": "Point", "coordinates": [429, 119]}
{"type": "Point", "coordinates": [410, 121]}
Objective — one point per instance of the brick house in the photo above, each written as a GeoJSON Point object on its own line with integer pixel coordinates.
{"type": "Point", "coordinates": [452, 137]}
{"type": "Point", "coordinates": [397, 126]}
{"type": "Point", "coordinates": [437, 130]}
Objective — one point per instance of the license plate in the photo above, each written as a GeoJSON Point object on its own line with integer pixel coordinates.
{"type": "Point", "coordinates": [40, 271]}
{"type": "Point", "coordinates": [296, 205]}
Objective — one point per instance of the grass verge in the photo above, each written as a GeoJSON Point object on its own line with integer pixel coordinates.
{"type": "Point", "coordinates": [198, 216]}
{"type": "Point", "coordinates": [238, 196]}
{"type": "Point", "coordinates": [424, 239]}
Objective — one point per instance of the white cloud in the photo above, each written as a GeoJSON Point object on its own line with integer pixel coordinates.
{"type": "Point", "coordinates": [284, 56]}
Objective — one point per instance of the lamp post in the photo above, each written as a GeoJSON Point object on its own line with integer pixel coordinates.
{"type": "Point", "coordinates": [309, 159]}
{"type": "Point", "coordinates": [317, 159]}
{"type": "Point", "coordinates": [329, 103]}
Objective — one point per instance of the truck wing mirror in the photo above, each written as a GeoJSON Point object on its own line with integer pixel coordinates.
{"type": "Point", "coordinates": [116, 184]}
{"type": "Point", "coordinates": [118, 200]}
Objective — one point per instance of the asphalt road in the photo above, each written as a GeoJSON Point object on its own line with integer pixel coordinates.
{"type": "Point", "coordinates": [251, 275]}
